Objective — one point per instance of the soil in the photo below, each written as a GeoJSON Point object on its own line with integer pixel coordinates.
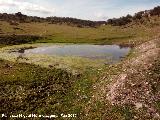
{"type": "Point", "coordinates": [138, 83]}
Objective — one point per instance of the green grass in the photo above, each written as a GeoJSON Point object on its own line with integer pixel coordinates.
{"type": "Point", "coordinates": [27, 83]}
{"type": "Point", "coordinates": [27, 88]}
{"type": "Point", "coordinates": [134, 34]}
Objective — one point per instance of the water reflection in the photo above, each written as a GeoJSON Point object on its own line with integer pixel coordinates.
{"type": "Point", "coordinates": [112, 52]}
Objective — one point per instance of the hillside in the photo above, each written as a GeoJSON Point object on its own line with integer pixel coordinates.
{"type": "Point", "coordinates": [14, 29]}
{"type": "Point", "coordinates": [54, 33]}
{"type": "Point", "coordinates": [140, 17]}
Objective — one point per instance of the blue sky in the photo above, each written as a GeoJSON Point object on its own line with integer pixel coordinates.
{"type": "Point", "coordinates": [83, 9]}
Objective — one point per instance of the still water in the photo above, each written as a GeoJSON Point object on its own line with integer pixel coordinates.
{"type": "Point", "coordinates": [109, 52]}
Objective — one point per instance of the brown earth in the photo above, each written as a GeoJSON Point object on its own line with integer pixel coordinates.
{"type": "Point", "coordinates": [138, 83]}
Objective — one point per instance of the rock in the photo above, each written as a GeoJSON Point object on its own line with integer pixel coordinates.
{"type": "Point", "coordinates": [8, 66]}
{"type": "Point", "coordinates": [50, 66]}
{"type": "Point", "coordinates": [138, 105]}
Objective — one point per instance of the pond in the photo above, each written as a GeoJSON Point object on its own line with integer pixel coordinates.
{"type": "Point", "coordinates": [108, 52]}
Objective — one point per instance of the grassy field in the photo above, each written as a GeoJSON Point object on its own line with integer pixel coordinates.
{"type": "Point", "coordinates": [27, 88]}
{"type": "Point", "coordinates": [131, 34]}
{"type": "Point", "coordinates": [30, 88]}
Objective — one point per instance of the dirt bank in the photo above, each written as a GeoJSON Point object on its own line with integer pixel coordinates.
{"type": "Point", "coordinates": [138, 83]}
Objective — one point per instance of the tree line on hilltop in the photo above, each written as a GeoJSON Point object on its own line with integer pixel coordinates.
{"type": "Point", "coordinates": [128, 19]}
{"type": "Point", "coordinates": [16, 18]}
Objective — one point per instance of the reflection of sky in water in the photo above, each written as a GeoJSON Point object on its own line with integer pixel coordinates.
{"type": "Point", "coordinates": [113, 52]}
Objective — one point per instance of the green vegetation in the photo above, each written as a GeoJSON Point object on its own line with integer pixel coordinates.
{"type": "Point", "coordinates": [27, 88]}
{"type": "Point", "coordinates": [17, 39]}
{"type": "Point", "coordinates": [53, 33]}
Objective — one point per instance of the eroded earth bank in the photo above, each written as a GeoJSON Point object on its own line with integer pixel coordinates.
{"type": "Point", "coordinates": [134, 89]}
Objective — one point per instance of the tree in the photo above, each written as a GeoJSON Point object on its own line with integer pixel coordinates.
{"type": "Point", "coordinates": [155, 11]}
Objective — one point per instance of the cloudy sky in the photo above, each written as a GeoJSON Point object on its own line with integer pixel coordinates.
{"type": "Point", "coordinates": [83, 9]}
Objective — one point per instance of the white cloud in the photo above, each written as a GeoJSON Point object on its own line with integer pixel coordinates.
{"type": "Point", "coordinates": [22, 6]}
{"type": "Point", "coordinates": [35, 8]}
{"type": "Point", "coordinates": [100, 16]}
